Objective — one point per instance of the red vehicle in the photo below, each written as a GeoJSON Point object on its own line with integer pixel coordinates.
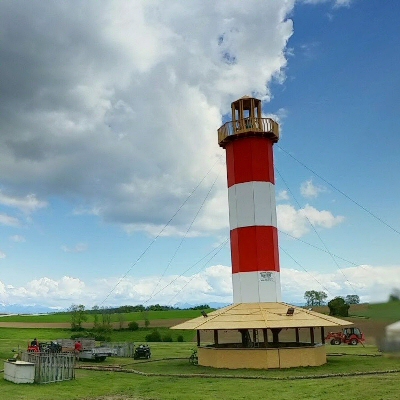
{"type": "Point", "coordinates": [351, 336]}
{"type": "Point", "coordinates": [33, 349]}
{"type": "Point", "coordinates": [50, 347]}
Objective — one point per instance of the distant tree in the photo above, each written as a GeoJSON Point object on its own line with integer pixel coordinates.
{"type": "Point", "coordinates": [395, 295]}
{"type": "Point", "coordinates": [78, 316]}
{"type": "Point", "coordinates": [315, 298]}
{"type": "Point", "coordinates": [352, 299]}
{"type": "Point", "coordinates": [133, 326]}
{"type": "Point", "coordinates": [167, 338]}
{"type": "Point", "coordinates": [145, 315]}
{"type": "Point", "coordinates": [96, 321]}
{"type": "Point", "coordinates": [154, 336]}
{"type": "Point", "coordinates": [200, 307]}
{"type": "Point", "coordinates": [106, 319]}
{"type": "Point", "coordinates": [158, 307]}
{"type": "Point", "coordinates": [128, 309]}
{"type": "Point", "coordinates": [338, 307]}
{"type": "Point", "coordinates": [121, 320]}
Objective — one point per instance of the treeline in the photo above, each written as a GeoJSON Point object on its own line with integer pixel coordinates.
{"type": "Point", "coordinates": [141, 308]}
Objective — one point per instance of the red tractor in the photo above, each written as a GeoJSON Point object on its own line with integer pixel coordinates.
{"type": "Point", "coordinates": [351, 336]}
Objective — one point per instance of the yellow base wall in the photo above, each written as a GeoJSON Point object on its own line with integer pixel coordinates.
{"type": "Point", "coordinates": [261, 358]}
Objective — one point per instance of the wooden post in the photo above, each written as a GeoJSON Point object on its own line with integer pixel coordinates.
{"type": "Point", "coordinates": [297, 335]}
{"type": "Point", "coordinates": [245, 337]}
{"type": "Point", "coordinates": [275, 335]}
{"type": "Point", "coordinates": [322, 335]}
{"type": "Point", "coordinates": [216, 337]}
{"type": "Point", "coordinates": [312, 336]}
{"type": "Point", "coordinates": [265, 334]}
{"type": "Point", "coordinates": [198, 338]}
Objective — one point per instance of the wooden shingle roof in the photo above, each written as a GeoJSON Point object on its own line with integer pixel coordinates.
{"type": "Point", "coordinates": [259, 316]}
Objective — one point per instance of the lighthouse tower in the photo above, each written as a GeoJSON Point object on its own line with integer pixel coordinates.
{"type": "Point", "coordinates": [257, 330]}
{"type": "Point", "coordinates": [248, 141]}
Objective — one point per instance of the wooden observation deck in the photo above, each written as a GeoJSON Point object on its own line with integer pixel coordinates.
{"type": "Point", "coordinates": [247, 121]}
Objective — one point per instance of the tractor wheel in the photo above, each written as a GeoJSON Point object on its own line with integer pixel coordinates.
{"type": "Point", "coordinates": [353, 342]}
{"type": "Point", "coordinates": [335, 342]}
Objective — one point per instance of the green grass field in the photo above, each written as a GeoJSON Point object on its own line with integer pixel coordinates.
{"type": "Point", "coordinates": [209, 383]}
{"type": "Point", "coordinates": [389, 312]}
{"type": "Point", "coordinates": [134, 316]}
{"type": "Point", "coordinates": [362, 367]}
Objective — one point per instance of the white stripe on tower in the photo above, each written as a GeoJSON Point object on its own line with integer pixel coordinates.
{"type": "Point", "coordinates": [252, 217]}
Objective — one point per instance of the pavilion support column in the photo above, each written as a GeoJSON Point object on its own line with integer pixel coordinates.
{"type": "Point", "coordinates": [297, 335]}
{"type": "Point", "coordinates": [265, 334]}
{"type": "Point", "coordinates": [275, 335]}
{"type": "Point", "coordinates": [216, 337]}
{"type": "Point", "coordinates": [198, 338]}
{"type": "Point", "coordinates": [322, 335]}
{"type": "Point", "coordinates": [255, 337]}
{"type": "Point", "coordinates": [245, 337]}
{"type": "Point", "coordinates": [312, 336]}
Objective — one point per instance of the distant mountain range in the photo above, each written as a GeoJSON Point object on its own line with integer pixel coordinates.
{"type": "Point", "coordinates": [23, 309]}
{"type": "Point", "coordinates": [185, 306]}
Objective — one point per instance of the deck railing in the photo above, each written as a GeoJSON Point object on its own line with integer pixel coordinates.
{"type": "Point", "coordinates": [251, 124]}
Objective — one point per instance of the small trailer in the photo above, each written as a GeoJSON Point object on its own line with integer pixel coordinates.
{"type": "Point", "coordinates": [96, 353]}
{"type": "Point", "coordinates": [89, 350]}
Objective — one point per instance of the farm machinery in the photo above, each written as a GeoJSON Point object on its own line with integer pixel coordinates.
{"type": "Point", "coordinates": [351, 336]}
{"type": "Point", "coordinates": [47, 347]}
{"type": "Point", "coordinates": [88, 350]}
{"type": "Point", "coordinates": [142, 351]}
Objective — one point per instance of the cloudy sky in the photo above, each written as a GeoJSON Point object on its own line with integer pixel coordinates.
{"type": "Point", "coordinates": [112, 184]}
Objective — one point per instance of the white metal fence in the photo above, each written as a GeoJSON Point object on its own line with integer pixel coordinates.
{"type": "Point", "coordinates": [121, 349]}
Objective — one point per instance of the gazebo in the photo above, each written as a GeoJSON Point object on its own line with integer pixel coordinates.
{"type": "Point", "coordinates": [261, 336]}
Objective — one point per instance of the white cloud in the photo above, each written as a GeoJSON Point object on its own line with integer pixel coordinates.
{"type": "Point", "coordinates": [127, 127]}
{"type": "Point", "coordinates": [336, 3]}
{"type": "Point", "coordinates": [297, 221]}
{"type": "Point", "coordinates": [282, 195]}
{"type": "Point", "coordinates": [44, 291]}
{"type": "Point", "coordinates": [343, 3]}
{"type": "Point", "coordinates": [279, 116]}
{"type": "Point", "coordinates": [213, 284]}
{"type": "Point", "coordinates": [8, 220]}
{"type": "Point", "coordinates": [309, 190]}
{"type": "Point", "coordinates": [2, 255]}
{"type": "Point", "coordinates": [18, 238]}
{"type": "Point", "coordinates": [78, 248]}
{"type": "Point", "coordinates": [26, 204]}
{"type": "Point", "coordinates": [371, 283]}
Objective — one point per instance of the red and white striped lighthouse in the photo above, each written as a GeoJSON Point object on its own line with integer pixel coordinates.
{"type": "Point", "coordinates": [248, 141]}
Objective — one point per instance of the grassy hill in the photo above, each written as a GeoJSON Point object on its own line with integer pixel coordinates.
{"type": "Point", "coordinates": [388, 312]}
{"type": "Point", "coordinates": [64, 317]}
{"type": "Point", "coordinates": [171, 376]}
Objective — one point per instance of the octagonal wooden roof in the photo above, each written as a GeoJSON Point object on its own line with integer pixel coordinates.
{"type": "Point", "coordinates": [259, 316]}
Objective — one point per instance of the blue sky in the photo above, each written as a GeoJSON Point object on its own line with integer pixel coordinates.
{"type": "Point", "coordinates": [108, 129]}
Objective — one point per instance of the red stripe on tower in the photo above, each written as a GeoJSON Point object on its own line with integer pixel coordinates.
{"type": "Point", "coordinates": [248, 140]}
